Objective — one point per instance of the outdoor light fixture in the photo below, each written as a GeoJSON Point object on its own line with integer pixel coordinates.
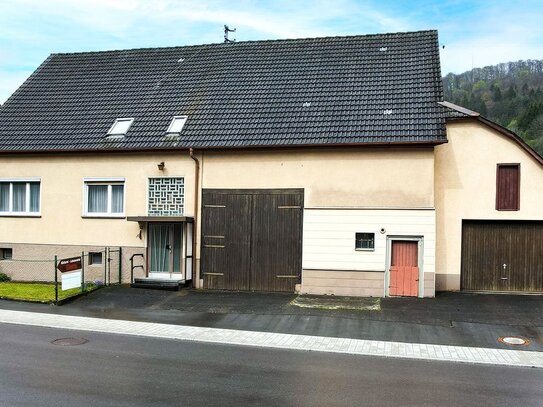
{"type": "Point", "coordinates": [161, 166]}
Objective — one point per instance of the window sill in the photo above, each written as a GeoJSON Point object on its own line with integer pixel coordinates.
{"type": "Point", "coordinates": [20, 215]}
{"type": "Point", "coordinates": [508, 210]}
{"type": "Point", "coordinates": [103, 216]}
{"type": "Point", "coordinates": [364, 250]}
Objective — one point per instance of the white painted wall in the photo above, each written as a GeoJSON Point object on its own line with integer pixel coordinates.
{"type": "Point", "coordinates": [329, 237]}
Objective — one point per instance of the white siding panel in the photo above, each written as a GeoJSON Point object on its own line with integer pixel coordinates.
{"type": "Point", "coordinates": [329, 237]}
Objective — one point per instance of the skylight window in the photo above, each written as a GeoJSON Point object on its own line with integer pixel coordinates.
{"type": "Point", "coordinates": [177, 124]}
{"type": "Point", "coordinates": [120, 127]}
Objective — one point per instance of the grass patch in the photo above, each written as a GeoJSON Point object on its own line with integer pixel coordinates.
{"type": "Point", "coordinates": [38, 292]}
{"type": "Point", "coordinates": [337, 303]}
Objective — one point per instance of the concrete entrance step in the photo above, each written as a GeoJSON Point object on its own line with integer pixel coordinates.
{"type": "Point", "coordinates": [158, 283]}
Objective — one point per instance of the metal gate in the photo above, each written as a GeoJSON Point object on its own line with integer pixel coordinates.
{"type": "Point", "coordinates": [252, 239]}
{"type": "Point", "coordinates": [502, 256]}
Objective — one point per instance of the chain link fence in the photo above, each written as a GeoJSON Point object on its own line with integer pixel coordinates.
{"type": "Point", "coordinates": [57, 278]}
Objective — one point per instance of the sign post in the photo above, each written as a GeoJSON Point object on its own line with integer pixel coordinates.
{"type": "Point", "coordinates": [56, 282]}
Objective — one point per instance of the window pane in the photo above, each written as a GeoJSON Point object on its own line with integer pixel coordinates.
{"type": "Point", "coordinates": [19, 196]}
{"type": "Point", "coordinates": [4, 196]}
{"type": "Point", "coordinates": [117, 197]}
{"type": "Point", "coordinates": [34, 197]}
{"type": "Point", "coordinates": [365, 241]}
{"type": "Point", "coordinates": [95, 258]}
{"type": "Point", "coordinates": [97, 198]}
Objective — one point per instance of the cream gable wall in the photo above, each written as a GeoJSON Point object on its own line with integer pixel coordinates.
{"type": "Point", "coordinates": [62, 195]}
{"type": "Point", "coordinates": [465, 188]}
{"type": "Point", "coordinates": [350, 177]}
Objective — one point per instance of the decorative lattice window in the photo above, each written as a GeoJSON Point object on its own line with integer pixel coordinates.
{"type": "Point", "coordinates": [166, 196]}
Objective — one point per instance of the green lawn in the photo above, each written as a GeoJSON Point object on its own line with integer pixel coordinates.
{"type": "Point", "coordinates": [38, 292]}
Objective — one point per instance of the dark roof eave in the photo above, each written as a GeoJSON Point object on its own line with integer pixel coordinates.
{"type": "Point", "coordinates": [219, 148]}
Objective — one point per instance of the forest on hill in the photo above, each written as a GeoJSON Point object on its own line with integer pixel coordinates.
{"type": "Point", "coordinates": [510, 94]}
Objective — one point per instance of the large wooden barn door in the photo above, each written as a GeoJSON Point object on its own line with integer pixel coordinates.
{"type": "Point", "coordinates": [502, 256]}
{"type": "Point", "coordinates": [252, 239]}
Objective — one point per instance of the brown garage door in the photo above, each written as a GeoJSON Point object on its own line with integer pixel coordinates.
{"type": "Point", "coordinates": [502, 256]}
{"type": "Point", "coordinates": [252, 239]}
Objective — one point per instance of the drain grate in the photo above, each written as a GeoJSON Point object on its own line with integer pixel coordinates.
{"type": "Point", "coordinates": [69, 341]}
{"type": "Point", "coordinates": [514, 340]}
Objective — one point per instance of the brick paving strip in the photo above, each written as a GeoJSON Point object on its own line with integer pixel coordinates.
{"type": "Point", "coordinates": [362, 347]}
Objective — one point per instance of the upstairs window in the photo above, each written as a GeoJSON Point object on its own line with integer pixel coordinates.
{"type": "Point", "coordinates": [508, 187]}
{"type": "Point", "coordinates": [176, 125]}
{"type": "Point", "coordinates": [365, 241]}
{"type": "Point", "coordinates": [104, 197]}
{"type": "Point", "coordinates": [19, 197]}
{"type": "Point", "coordinates": [120, 127]}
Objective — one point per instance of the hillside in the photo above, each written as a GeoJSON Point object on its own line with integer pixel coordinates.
{"type": "Point", "coordinates": [510, 94]}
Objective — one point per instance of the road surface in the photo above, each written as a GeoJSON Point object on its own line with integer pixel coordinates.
{"type": "Point", "coordinates": [118, 370]}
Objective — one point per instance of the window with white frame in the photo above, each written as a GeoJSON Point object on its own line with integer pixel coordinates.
{"type": "Point", "coordinates": [176, 125]}
{"type": "Point", "coordinates": [104, 197]}
{"type": "Point", "coordinates": [120, 127]}
{"type": "Point", "coordinates": [20, 197]}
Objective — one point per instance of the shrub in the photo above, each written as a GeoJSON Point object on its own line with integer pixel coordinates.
{"type": "Point", "coordinates": [4, 278]}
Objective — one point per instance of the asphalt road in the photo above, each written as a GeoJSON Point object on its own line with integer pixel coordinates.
{"type": "Point", "coordinates": [116, 370]}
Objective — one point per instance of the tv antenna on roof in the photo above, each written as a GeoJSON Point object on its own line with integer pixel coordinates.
{"type": "Point", "coordinates": [226, 31]}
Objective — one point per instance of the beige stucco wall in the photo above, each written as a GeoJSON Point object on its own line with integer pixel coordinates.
{"type": "Point", "coordinates": [465, 188]}
{"type": "Point", "coordinates": [62, 194]}
{"type": "Point", "coordinates": [354, 177]}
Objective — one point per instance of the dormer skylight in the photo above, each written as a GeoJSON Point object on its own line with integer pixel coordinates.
{"type": "Point", "coordinates": [176, 124]}
{"type": "Point", "coordinates": [120, 127]}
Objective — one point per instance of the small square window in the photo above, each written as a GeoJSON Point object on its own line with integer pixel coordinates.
{"type": "Point", "coordinates": [6, 254]}
{"type": "Point", "coordinates": [120, 127]}
{"type": "Point", "coordinates": [177, 124]}
{"type": "Point", "coordinates": [365, 241]}
{"type": "Point", "coordinates": [95, 258]}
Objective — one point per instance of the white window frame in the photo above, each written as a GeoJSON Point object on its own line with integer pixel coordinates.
{"type": "Point", "coordinates": [182, 118]}
{"type": "Point", "coordinates": [26, 212]}
{"type": "Point", "coordinates": [103, 181]}
{"type": "Point", "coordinates": [110, 133]}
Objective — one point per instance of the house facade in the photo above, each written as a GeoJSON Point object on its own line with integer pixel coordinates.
{"type": "Point", "coordinates": [321, 166]}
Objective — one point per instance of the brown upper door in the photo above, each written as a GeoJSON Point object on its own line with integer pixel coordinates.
{"type": "Point", "coordinates": [508, 187]}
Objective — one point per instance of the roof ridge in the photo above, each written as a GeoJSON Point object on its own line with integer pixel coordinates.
{"type": "Point", "coordinates": [248, 42]}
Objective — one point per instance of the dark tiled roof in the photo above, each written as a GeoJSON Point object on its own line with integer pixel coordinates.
{"type": "Point", "coordinates": [336, 90]}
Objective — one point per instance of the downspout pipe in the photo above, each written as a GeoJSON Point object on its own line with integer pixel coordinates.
{"type": "Point", "coordinates": [195, 222]}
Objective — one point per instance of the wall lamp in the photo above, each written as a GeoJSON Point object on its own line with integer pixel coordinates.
{"type": "Point", "coordinates": [161, 166]}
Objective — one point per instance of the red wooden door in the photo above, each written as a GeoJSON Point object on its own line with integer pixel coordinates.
{"type": "Point", "coordinates": [404, 269]}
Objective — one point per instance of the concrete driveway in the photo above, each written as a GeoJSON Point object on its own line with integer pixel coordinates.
{"type": "Point", "coordinates": [449, 319]}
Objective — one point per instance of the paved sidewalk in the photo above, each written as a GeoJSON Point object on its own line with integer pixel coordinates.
{"type": "Point", "coordinates": [456, 319]}
{"type": "Point", "coordinates": [458, 354]}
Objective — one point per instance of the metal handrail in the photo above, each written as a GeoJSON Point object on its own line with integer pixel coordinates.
{"type": "Point", "coordinates": [132, 267]}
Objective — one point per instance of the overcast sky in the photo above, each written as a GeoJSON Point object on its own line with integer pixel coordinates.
{"type": "Point", "coordinates": [475, 33]}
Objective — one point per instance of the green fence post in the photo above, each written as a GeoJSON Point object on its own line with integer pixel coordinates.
{"type": "Point", "coordinates": [120, 265]}
{"type": "Point", "coordinates": [82, 271]}
{"type": "Point", "coordinates": [105, 265]}
{"type": "Point", "coordinates": [108, 266]}
{"type": "Point", "coordinates": [56, 282]}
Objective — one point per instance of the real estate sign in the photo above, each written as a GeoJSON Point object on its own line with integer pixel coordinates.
{"type": "Point", "coordinates": [71, 280]}
{"type": "Point", "coordinates": [71, 264]}
{"type": "Point", "coordinates": [69, 277]}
